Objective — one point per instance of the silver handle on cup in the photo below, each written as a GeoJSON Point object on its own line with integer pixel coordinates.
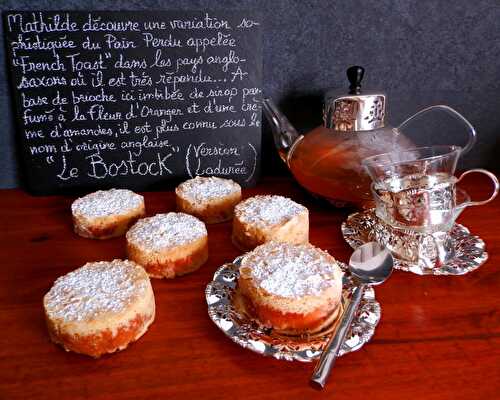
{"type": "Point", "coordinates": [472, 131]}
{"type": "Point", "coordinates": [494, 179]}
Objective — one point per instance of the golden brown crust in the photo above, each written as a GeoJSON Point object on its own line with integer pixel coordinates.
{"type": "Point", "coordinates": [213, 212]}
{"type": "Point", "coordinates": [246, 235]}
{"type": "Point", "coordinates": [171, 262]}
{"type": "Point", "coordinates": [285, 295]}
{"type": "Point", "coordinates": [103, 342]}
{"type": "Point", "coordinates": [100, 307]}
{"type": "Point", "coordinates": [280, 318]}
{"type": "Point", "coordinates": [292, 323]}
{"type": "Point", "coordinates": [211, 199]}
{"type": "Point", "coordinates": [109, 227]}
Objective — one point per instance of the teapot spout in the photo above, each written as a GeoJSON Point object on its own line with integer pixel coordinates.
{"type": "Point", "coordinates": [284, 134]}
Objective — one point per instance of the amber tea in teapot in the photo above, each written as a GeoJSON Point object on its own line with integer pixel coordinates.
{"type": "Point", "coordinates": [327, 160]}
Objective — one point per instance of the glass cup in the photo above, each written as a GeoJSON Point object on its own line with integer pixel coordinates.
{"type": "Point", "coordinates": [420, 161]}
{"type": "Point", "coordinates": [418, 200]}
{"type": "Point", "coordinates": [427, 203]}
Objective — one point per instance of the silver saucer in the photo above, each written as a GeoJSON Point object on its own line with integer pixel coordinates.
{"type": "Point", "coordinates": [221, 296]}
{"type": "Point", "coordinates": [470, 252]}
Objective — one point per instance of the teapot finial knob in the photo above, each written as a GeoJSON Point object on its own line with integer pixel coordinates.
{"type": "Point", "coordinates": [355, 75]}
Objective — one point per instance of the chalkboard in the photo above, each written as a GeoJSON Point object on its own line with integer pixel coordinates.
{"type": "Point", "coordinates": [135, 99]}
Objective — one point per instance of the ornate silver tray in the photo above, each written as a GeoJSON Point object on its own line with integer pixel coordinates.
{"type": "Point", "coordinates": [470, 253]}
{"type": "Point", "coordinates": [225, 311]}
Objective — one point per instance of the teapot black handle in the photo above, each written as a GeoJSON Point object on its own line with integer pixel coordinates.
{"type": "Point", "coordinates": [355, 75]}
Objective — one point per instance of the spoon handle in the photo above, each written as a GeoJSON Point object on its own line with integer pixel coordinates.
{"type": "Point", "coordinates": [330, 352]}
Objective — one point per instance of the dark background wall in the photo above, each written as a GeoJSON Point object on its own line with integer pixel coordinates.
{"type": "Point", "coordinates": [419, 52]}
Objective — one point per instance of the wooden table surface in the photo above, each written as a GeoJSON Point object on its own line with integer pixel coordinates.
{"type": "Point", "coordinates": [439, 337]}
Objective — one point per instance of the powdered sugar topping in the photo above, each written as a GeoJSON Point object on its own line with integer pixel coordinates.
{"type": "Point", "coordinates": [166, 230]}
{"type": "Point", "coordinates": [202, 189]}
{"type": "Point", "coordinates": [292, 271]}
{"type": "Point", "coordinates": [268, 210]}
{"type": "Point", "coordinates": [104, 203]}
{"type": "Point", "coordinates": [96, 288]}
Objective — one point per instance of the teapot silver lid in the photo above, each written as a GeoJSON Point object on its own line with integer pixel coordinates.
{"type": "Point", "coordinates": [355, 111]}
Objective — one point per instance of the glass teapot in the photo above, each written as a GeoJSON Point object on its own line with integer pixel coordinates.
{"type": "Point", "coordinates": [327, 160]}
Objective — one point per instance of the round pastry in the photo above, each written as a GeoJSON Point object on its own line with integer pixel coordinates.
{"type": "Point", "coordinates": [263, 218]}
{"type": "Point", "coordinates": [168, 245]}
{"type": "Point", "coordinates": [293, 288]}
{"type": "Point", "coordinates": [100, 308]}
{"type": "Point", "coordinates": [106, 213]}
{"type": "Point", "coordinates": [210, 199]}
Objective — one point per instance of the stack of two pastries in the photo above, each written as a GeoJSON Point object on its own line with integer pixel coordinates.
{"type": "Point", "coordinates": [286, 283]}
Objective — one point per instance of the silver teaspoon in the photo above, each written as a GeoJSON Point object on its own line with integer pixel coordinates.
{"type": "Point", "coordinates": [370, 264]}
